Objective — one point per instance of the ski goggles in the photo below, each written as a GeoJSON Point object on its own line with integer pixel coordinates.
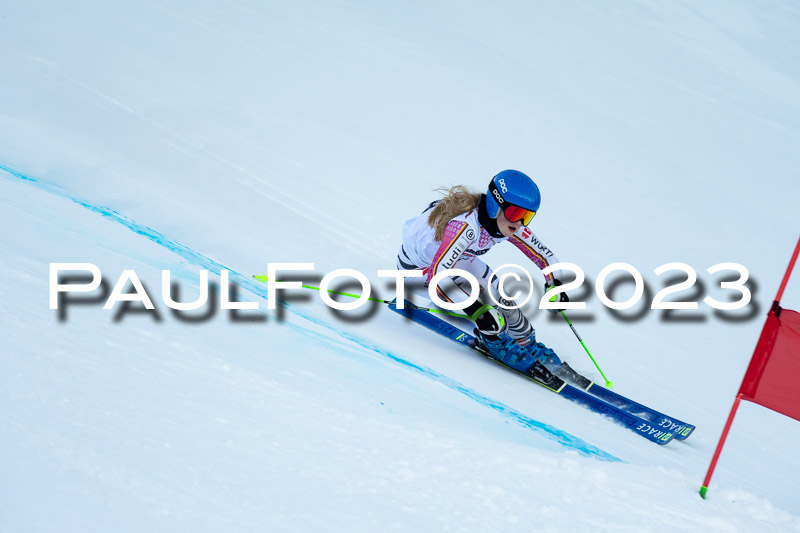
{"type": "Point", "coordinates": [515, 213]}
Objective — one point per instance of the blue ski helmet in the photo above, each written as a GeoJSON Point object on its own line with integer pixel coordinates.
{"type": "Point", "coordinates": [516, 194]}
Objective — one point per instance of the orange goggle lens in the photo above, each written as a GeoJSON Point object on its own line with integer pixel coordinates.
{"type": "Point", "coordinates": [518, 214]}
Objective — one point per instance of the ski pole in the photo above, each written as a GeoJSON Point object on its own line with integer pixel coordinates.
{"type": "Point", "coordinates": [264, 279]}
{"type": "Point", "coordinates": [608, 383]}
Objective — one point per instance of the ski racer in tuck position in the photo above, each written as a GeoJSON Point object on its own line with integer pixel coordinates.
{"type": "Point", "coordinates": [454, 232]}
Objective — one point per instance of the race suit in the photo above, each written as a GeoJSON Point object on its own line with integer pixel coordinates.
{"type": "Point", "coordinates": [464, 240]}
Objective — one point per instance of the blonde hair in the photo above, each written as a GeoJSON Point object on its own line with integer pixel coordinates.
{"type": "Point", "coordinates": [458, 199]}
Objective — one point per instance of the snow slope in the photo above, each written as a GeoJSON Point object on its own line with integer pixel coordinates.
{"type": "Point", "coordinates": [233, 136]}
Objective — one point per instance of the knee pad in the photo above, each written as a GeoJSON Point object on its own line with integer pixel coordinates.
{"type": "Point", "coordinates": [489, 321]}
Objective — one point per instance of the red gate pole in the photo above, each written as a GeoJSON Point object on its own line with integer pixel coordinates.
{"type": "Point", "coordinates": [775, 307]}
{"type": "Point", "coordinates": [788, 271]}
{"type": "Point", "coordinates": [720, 444]}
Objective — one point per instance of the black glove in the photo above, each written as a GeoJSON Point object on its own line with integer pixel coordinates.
{"type": "Point", "coordinates": [561, 297]}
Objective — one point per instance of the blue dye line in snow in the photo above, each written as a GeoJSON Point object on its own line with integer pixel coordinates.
{"type": "Point", "coordinates": [196, 258]}
{"type": "Point", "coordinates": [551, 432]}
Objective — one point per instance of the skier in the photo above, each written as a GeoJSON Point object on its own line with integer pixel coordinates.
{"type": "Point", "coordinates": [454, 231]}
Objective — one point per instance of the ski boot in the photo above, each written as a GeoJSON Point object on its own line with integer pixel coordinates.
{"type": "Point", "coordinates": [548, 358]}
{"type": "Point", "coordinates": [534, 359]}
{"type": "Point", "coordinates": [560, 368]}
{"type": "Point", "coordinates": [519, 357]}
{"type": "Point", "coordinates": [544, 355]}
{"type": "Point", "coordinates": [506, 350]}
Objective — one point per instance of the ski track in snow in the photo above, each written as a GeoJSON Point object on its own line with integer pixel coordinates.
{"type": "Point", "coordinates": [547, 431]}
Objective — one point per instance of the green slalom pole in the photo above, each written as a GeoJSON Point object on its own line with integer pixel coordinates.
{"type": "Point", "coordinates": [265, 279]}
{"type": "Point", "coordinates": [608, 383]}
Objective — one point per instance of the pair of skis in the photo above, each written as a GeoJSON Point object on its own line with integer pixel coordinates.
{"type": "Point", "coordinates": [642, 420]}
